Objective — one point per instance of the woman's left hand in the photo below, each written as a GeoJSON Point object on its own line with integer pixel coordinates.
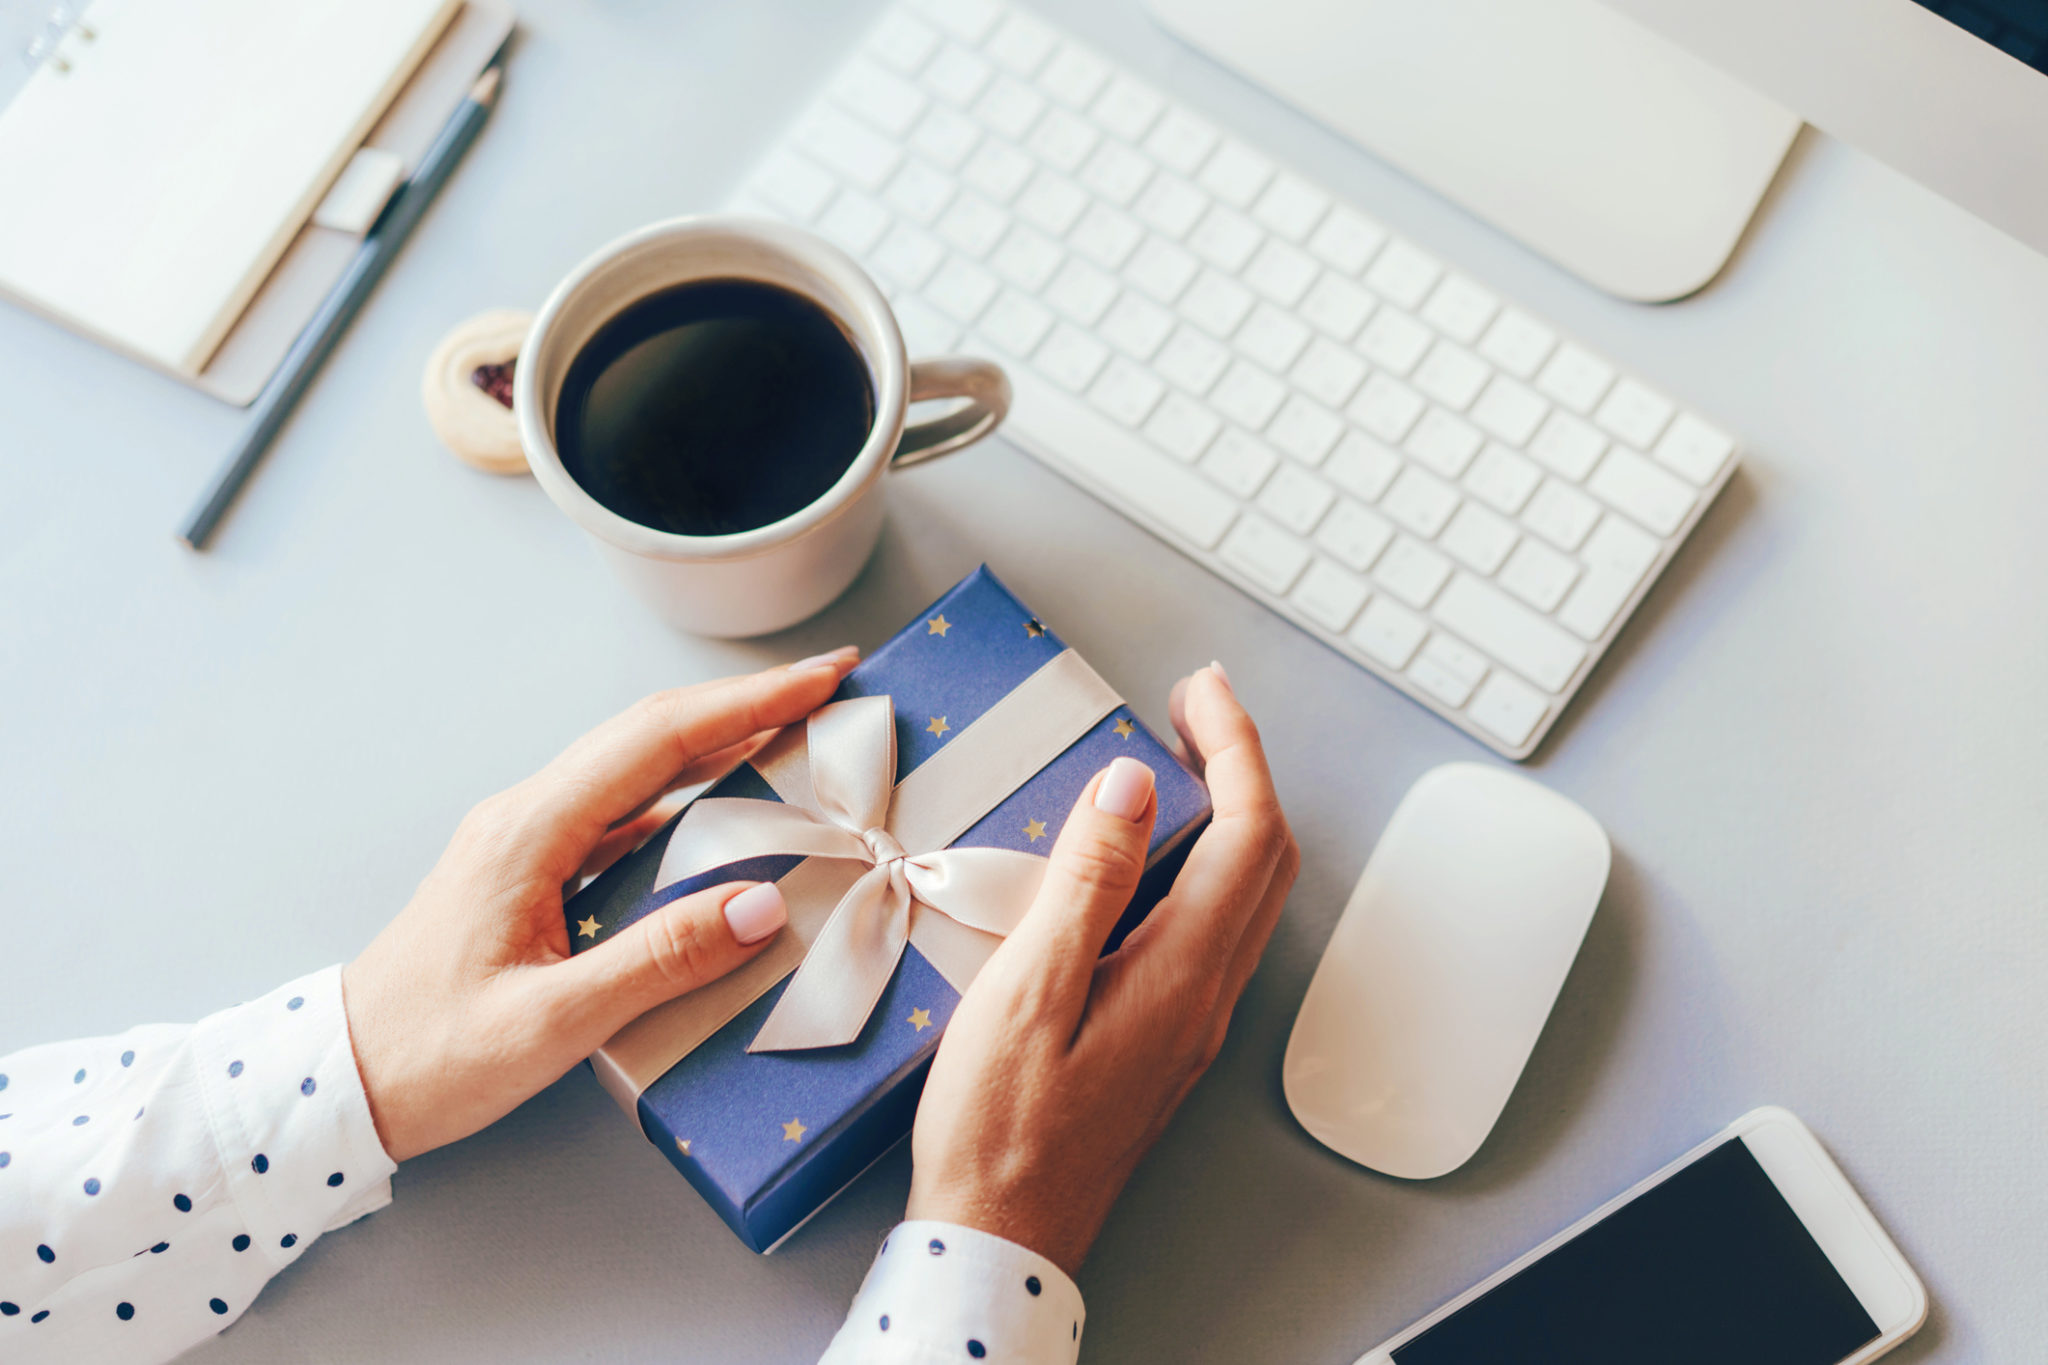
{"type": "Point", "coordinates": [469, 1003]}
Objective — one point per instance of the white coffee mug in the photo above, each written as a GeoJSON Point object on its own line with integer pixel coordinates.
{"type": "Point", "coordinates": [748, 582]}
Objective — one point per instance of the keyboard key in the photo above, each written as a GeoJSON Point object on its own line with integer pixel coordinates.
{"type": "Point", "coordinates": [1447, 670]}
{"type": "Point", "coordinates": [1328, 373]}
{"type": "Point", "coordinates": [1478, 539]}
{"type": "Point", "coordinates": [1192, 361]}
{"type": "Point", "coordinates": [1082, 292]}
{"type": "Point", "coordinates": [1561, 514]}
{"type": "Point", "coordinates": [1460, 309]}
{"type": "Point", "coordinates": [903, 42]}
{"type": "Point", "coordinates": [1016, 324]}
{"type": "Point", "coordinates": [919, 192]}
{"type": "Point", "coordinates": [1389, 633]}
{"type": "Point", "coordinates": [1509, 410]}
{"type": "Point", "coordinates": [1694, 449]}
{"type": "Point", "coordinates": [1063, 140]}
{"type": "Point", "coordinates": [1071, 358]}
{"type": "Point", "coordinates": [1386, 408]}
{"type": "Point", "coordinates": [856, 153]}
{"type": "Point", "coordinates": [1355, 535]}
{"type": "Point", "coordinates": [1510, 632]}
{"type": "Point", "coordinates": [1635, 414]}
{"type": "Point", "coordinates": [1020, 45]}
{"type": "Point", "coordinates": [1136, 326]}
{"type": "Point", "coordinates": [1026, 258]}
{"type": "Point", "coordinates": [1272, 338]}
{"type": "Point", "coordinates": [1052, 202]}
{"type": "Point", "coordinates": [1538, 575]}
{"type": "Point", "coordinates": [1567, 446]}
{"type": "Point", "coordinates": [1336, 306]}
{"type": "Point", "coordinates": [1330, 596]}
{"type": "Point", "coordinates": [854, 222]}
{"type": "Point", "coordinates": [1414, 573]}
{"type": "Point", "coordinates": [1225, 239]}
{"type": "Point", "coordinates": [1575, 378]}
{"type": "Point", "coordinates": [1502, 479]}
{"type": "Point", "coordinates": [1235, 173]}
{"type": "Point", "coordinates": [1421, 502]}
{"type": "Point", "coordinates": [881, 97]}
{"type": "Point", "coordinates": [1295, 498]}
{"type": "Point", "coordinates": [945, 137]}
{"type": "Point", "coordinates": [1136, 476]}
{"type": "Point", "coordinates": [1517, 343]}
{"type": "Point", "coordinates": [1507, 710]}
{"type": "Point", "coordinates": [1593, 603]}
{"type": "Point", "coordinates": [957, 76]}
{"type": "Point", "coordinates": [1363, 466]}
{"type": "Point", "coordinates": [1452, 375]}
{"type": "Point", "coordinates": [1443, 442]}
{"type": "Point", "coordinates": [794, 185]}
{"type": "Point", "coordinates": [1127, 108]}
{"type": "Point", "coordinates": [1161, 269]}
{"type": "Point", "coordinates": [926, 331]}
{"type": "Point", "coordinates": [1281, 272]}
{"type": "Point", "coordinates": [1394, 341]}
{"type": "Point", "coordinates": [1291, 207]}
{"type": "Point", "coordinates": [1304, 430]}
{"type": "Point", "coordinates": [967, 20]}
{"type": "Point", "coordinates": [1106, 236]}
{"type": "Point", "coordinates": [1170, 205]}
{"type": "Point", "coordinates": [1264, 553]}
{"type": "Point", "coordinates": [1116, 173]}
{"type": "Point", "coordinates": [1181, 141]}
{"type": "Point", "coordinates": [1248, 396]}
{"type": "Point", "coordinates": [973, 225]}
{"type": "Point", "coordinates": [1182, 427]}
{"type": "Point", "coordinates": [1404, 274]}
{"type": "Point", "coordinates": [1619, 546]}
{"type": "Point", "coordinates": [962, 289]}
{"type": "Point", "coordinates": [998, 170]}
{"type": "Point", "coordinates": [1346, 240]}
{"type": "Point", "coordinates": [908, 256]}
{"type": "Point", "coordinates": [1239, 463]}
{"type": "Point", "coordinates": [1074, 76]}
{"type": "Point", "coordinates": [1126, 392]}
{"type": "Point", "coordinates": [1216, 304]}
{"type": "Point", "coordinates": [1658, 500]}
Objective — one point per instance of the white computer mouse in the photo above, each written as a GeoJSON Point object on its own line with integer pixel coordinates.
{"type": "Point", "coordinates": [1443, 968]}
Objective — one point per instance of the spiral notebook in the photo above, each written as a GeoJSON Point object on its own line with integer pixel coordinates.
{"type": "Point", "coordinates": [163, 157]}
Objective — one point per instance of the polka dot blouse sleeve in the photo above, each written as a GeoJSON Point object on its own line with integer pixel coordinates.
{"type": "Point", "coordinates": [151, 1183]}
{"type": "Point", "coordinates": [941, 1293]}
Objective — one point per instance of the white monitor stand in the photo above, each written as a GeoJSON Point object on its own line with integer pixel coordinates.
{"type": "Point", "coordinates": [1602, 145]}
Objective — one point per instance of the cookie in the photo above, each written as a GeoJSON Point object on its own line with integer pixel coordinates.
{"type": "Point", "coordinates": [468, 390]}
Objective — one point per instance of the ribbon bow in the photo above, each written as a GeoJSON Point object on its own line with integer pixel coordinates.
{"type": "Point", "coordinates": [852, 759]}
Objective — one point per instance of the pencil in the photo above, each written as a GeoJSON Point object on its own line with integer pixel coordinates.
{"type": "Point", "coordinates": [295, 373]}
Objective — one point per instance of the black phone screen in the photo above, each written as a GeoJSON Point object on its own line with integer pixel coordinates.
{"type": "Point", "coordinates": [1709, 1266]}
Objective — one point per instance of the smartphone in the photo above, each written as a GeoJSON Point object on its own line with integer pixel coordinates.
{"type": "Point", "coordinates": [1751, 1247]}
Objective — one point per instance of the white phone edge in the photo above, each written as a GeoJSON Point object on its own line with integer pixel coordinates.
{"type": "Point", "coordinates": [1858, 1248]}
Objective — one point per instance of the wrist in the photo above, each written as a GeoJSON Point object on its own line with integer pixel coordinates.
{"type": "Point", "coordinates": [1060, 1232]}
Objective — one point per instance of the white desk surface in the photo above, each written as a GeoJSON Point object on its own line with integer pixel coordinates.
{"type": "Point", "coordinates": [1818, 750]}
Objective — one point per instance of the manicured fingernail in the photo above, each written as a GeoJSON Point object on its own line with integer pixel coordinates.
{"type": "Point", "coordinates": [1125, 789]}
{"type": "Point", "coordinates": [842, 658]}
{"type": "Point", "coordinates": [1222, 677]}
{"type": "Point", "coordinates": [756, 913]}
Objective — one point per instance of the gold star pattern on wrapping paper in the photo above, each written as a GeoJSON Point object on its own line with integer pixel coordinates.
{"type": "Point", "coordinates": [1125, 729]}
{"type": "Point", "coordinates": [1034, 830]}
{"type": "Point", "coordinates": [587, 928]}
{"type": "Point", "coordinates": [1035, 628]}
{"type": "Point", "coordinates": [794, 1131]}
{"type": "Point", "coordinates": [938, 726]}
{"type": "Point", "coordinates": [938, 625]}
{"type": "Point", "coordinates": [683, 1146]}
{"type": "Point", "coordinates": [920, 1020]}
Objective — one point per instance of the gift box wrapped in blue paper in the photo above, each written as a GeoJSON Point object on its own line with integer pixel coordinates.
{"type": "Point", "coordinates": [906, 824]}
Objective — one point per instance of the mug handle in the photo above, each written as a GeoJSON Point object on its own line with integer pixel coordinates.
{"type": "Point", "coordinates": [982, 383]}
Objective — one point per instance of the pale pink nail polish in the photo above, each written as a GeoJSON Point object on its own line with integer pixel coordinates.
{"type": "Point", "coordinates": [1224, 678]}
{"type": "Point", "coordinates": [838, 658]}
{"type": "Point", "coordinates": [756, 913]}
{"type": "Point", "coordinates": [1125, 789]}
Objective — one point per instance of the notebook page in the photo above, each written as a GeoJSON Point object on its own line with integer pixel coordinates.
{"type": "Point", "coordinates": [150, 188]}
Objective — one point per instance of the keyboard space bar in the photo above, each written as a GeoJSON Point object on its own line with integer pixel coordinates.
{"type": "Point", "coordinates": [1072, 437]}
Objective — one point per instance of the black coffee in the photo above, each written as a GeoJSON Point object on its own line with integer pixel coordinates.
{"type": "Point", "coordinates": [714, 407]}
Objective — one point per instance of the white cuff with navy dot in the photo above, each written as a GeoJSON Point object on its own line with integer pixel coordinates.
{"type": "Point", "coordinates": [942, 1293]}
{"type": "Point", "coordinates": [151, 1183]}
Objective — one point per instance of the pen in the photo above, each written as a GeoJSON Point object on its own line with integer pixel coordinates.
{"type": "Point", "coordinates": [296, 371]}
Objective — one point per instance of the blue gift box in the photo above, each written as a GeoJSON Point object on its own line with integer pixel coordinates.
{"type": "Point", "coordinates": [769, 1137]}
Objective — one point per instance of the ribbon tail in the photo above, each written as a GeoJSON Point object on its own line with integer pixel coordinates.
{"type": "Point", "coordinates": [829, 998]}
{"type": "Point", "coordinates": [722, 830]}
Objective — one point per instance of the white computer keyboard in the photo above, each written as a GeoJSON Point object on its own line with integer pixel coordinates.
{"type": "Point", "coordinates": [1423, 476]}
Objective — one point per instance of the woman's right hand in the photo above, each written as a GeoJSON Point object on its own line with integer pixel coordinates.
{"type": "Point", "coordinates": [1060, 1068]}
